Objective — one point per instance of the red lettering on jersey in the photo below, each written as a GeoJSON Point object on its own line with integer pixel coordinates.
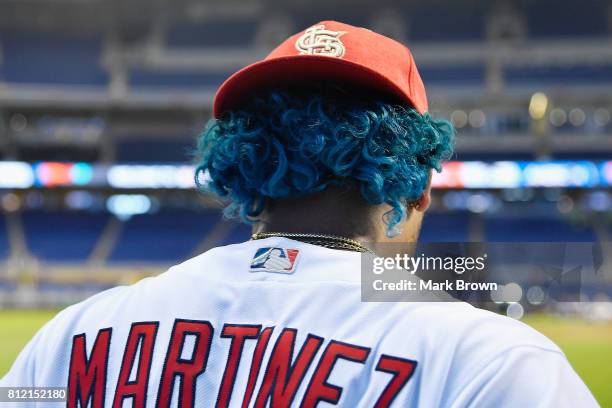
{"type": "Point", "coordinates": [282, 379]}
{"type": "Point", "coordinates": [187, 369]}
{"type": "Point", "coordinates": [87, 378]}
{"type": "Point", "coordinates": [319, 389]}
{"type": "Point", "coordinates": [402, 369]}
{"type": "Point", "coordinates": [143, 334]}
{"type": "Point", "coordinates": [238, 333]}
{"type": "Point", "coordinates": [258, 354]}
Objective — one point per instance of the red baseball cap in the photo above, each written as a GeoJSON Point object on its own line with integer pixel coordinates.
{"type": "Point", "coordinates": [330, 50]}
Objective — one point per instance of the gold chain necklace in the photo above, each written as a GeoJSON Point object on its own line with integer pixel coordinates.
{"type": "Point", "coordinates": [328, 241]}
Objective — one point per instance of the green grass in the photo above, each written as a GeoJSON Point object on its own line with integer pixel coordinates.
{"type": "Point", "coordinates": [588, 345]}
{"type": "Point", "coordinates": [16, 328]}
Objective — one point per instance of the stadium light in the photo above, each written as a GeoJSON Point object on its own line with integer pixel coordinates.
{"type": "Point", "coordinates": [538, 105]}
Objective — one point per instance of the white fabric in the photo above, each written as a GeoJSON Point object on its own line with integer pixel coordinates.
{"type": "Point", "coordinates": [466, 357]}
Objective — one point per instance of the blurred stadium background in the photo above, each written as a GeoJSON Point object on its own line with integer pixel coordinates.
{"type": "Point", "coordinates": [101, 101]}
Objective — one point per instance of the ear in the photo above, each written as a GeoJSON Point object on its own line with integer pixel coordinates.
{"type": "Point", "coordinates": [422, 204]}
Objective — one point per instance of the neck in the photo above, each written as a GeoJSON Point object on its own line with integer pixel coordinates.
{"type": "Point", "coordinates": [339, 212]}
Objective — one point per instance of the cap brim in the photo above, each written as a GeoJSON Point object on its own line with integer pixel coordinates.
{"type": "Point", "coordinates": [298, 69]}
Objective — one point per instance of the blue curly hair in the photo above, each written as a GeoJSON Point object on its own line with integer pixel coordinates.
{"type": "Point", "coordinates": [292, 142]}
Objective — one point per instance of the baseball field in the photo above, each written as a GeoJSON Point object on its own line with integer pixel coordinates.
{"type": "Point", "coordinates": [588, 345]}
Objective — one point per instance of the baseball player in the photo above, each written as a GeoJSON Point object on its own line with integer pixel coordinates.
{"type": "Point", "coordinates": [324, 145]}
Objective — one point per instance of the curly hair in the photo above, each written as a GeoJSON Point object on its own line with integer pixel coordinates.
{"type": "Point", "coordinates": [292, 142]}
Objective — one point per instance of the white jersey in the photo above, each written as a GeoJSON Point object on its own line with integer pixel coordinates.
{"type": "Point", "coordinates": [280, 323]}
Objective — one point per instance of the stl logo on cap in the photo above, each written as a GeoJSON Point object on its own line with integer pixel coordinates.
{"type": "Point", "coordinates": [316, 40]}
{"type": "Point", "coordinates": [330, 50]}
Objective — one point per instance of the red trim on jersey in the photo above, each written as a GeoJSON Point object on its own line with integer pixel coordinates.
{"type": "Point", "coordinates": [282, 379]}
{"type": "Point", "coordinates": [319, 389]}
{"type": "Point", "coordinates": [187, 369]}
{"type": "Point", "coordinates": [87, 378]}
{"type": "Point", "coordinates": [258, 354]}
{"type": "Point", "coordinates": [239, 334]}
{"type": "Point", "coordinates": [402, 370]}
{"type": "Point", "coordinates": [143, 334]}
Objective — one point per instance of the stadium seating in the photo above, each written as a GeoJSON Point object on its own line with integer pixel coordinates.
{"type": "Point", "coordinates": [51, 58]}
{"type": "Point", "coordinates": [4, 242]}
{"type": "Point", "coordinates": [144, 78]}
{"type": "Point", "coordinates": [350, 15]}
{"type": "Point", "coordinates": [62, 236]}
{"type": "Point", "coordinates": [240, 232]}
{"type": "Point", "coordinates": [566, 75]}
{"type": "Point", "coordinates": [160, 151]}
{"type": "Point", "coordinates": [443, 22]}
{"type": "Point", "coordinates": [515, 122]}
{"type": "Point", "coordinates": [66, 237]}
{"type": "Point", "coordinates": [445, 227]}
{"type": "Point", "coordinates": [212, 33]}
{"type": "Point", "coordinates": [454, 227]}
{"type": "Point", "coordinates": [550, 18]}
{"type": "Point", "coordinates": [528, 228]}
{"type": "Point", "coordinates": [470, 75]}
{"type": "Point", "coordinates": [168, 236]}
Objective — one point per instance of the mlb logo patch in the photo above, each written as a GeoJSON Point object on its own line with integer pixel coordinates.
{"type": "Point", "coordinates": [274, 259]}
